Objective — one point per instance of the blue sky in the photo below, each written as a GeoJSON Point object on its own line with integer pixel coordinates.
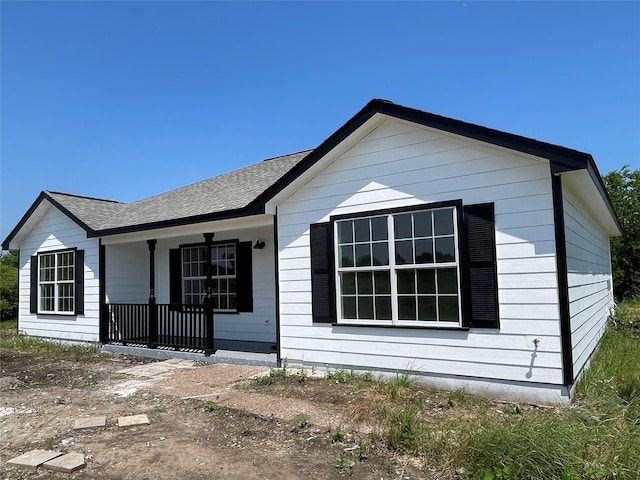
{"type": "Point", "coordinates": [123, 100]}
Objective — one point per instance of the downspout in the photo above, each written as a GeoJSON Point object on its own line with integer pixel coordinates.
{"type": "Point", "coordinates": [563, 279]}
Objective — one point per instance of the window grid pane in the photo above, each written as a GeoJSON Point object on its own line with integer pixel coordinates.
{"type": "Point", "coordinates": [56, 275]}
{"type": "Point", "coordinates": [425, 267]}
{"type": "Point", "coordinates": [223, 269]}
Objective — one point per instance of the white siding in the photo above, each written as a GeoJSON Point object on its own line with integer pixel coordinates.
{"type": "Point", "coordinates": [127, 272]}
{"type": "Point", "coordinates": [400, 164]}
{"type": "Point", "coordinates": [128, 281]}
{"type": "Point", "coordinates": [589, 278]}
{"type": "Point", "coordinates": [54, 232]}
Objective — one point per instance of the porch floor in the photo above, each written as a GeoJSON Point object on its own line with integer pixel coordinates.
{"type": "Point", "coordinates": [228, 351]}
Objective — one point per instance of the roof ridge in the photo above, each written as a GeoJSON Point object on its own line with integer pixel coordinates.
{"type": "Point", "coordinates": [82, 196]}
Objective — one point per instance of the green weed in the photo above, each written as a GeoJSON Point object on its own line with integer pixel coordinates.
{"type": "Point", "coordinates": [300, 421]}
{"type": "Point", "coordinates": [336, 434]}
{"type": "Point", "coordinates": [340, 376]}
{"type": "Point", "coordinates": [399, 383]}
{"type": "Point", "coordinates": [271, 377]}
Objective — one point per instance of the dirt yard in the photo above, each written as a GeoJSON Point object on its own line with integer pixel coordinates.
{"type": "Point", "coordinates": [233, 428]}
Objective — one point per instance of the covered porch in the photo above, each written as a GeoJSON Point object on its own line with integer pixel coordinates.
{"type": "Point", "coordinates": [191, 292]}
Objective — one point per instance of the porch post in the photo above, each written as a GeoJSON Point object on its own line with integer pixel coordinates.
{"type": "Point", "coordinates": [209, 343]}
{"type": "Point", "coordinates": [153, 311]}
{"type": "Point", "coordinates": [102, 294]}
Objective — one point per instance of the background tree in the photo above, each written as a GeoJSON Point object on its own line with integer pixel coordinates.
{"type": "Point", "coordinates": [624, 189]}
{"type": "Point", "coordinates": [9, 285]}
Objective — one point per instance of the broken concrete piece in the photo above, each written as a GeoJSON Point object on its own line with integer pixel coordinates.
{"type": "Point", "coordinates": [133, 420]}
{"type": "Point", "coordinates": [34, 458]}
{"type": "Point", "coordinates": [90, 422]}
{"type": "Point", "coordinates": [66, 463]}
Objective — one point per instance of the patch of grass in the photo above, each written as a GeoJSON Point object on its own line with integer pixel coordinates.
{"type": "Point", "coordinates": [567, 443]}
{"type": "Point", "coordinates": [597, 438]}
{"type": "Point", "coordinates": [341, 376]}
{"type": "Point", "coordinates": [300, 421]}
{"type": "Point", "coordinates": [404, 427]}
{"type": "Point", "coordinates": [301, 375]}
{"type": "Point", "coordinates": [399, 383]}
{"type": "Point", "coordinates": [346, 463]}
{"type": "Point", "coordinates": [615, 370]}
{"type": "Point", "coordinates": [27, 344]}
{"type": "Point", "coordinates": [271, 377]}
{"type": "Point", "coordinates": [337, 434]}
{"type": "Point", "coordinates": [9, 325]}
{"type": "Point", "coordinates": [212, 407]}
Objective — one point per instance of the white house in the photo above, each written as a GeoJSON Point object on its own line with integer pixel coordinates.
{"type": "Point", "coordinates": [471, 257]}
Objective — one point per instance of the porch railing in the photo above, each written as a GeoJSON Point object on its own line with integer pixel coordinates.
{"type": "Point", "coordinates": [176, 326]}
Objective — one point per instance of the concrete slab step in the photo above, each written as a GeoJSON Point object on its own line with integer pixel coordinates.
{"type": "Point", "coordinates": [90, 422]}
{"type": "Point", "coordinates": [66, 463]}
{"type": "Point", "coordinates": [33, 459]}
{"type": "Point", "coordinates": [133, 420]}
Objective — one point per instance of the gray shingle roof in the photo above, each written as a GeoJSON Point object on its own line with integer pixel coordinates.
{"type": "Point", "coordinates": [228, 192]}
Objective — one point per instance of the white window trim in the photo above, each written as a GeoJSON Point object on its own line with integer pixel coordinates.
{"type": "Point", "coordinates": [392, 268]}
{"type": "Point", "coordinates": [56, 283]}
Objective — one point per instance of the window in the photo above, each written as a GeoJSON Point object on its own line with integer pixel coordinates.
{"type": "Point", "coordinates": [56, 282]}
{"type": "Point", "coordinates": [431, 265]}
{"type": "Point", "coordinates": [223, 264]}
{"type": "Point", "coordinates": [399, 268]}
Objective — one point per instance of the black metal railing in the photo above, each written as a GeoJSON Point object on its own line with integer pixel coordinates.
{"type": "Point", "coordinates": [154, 325]}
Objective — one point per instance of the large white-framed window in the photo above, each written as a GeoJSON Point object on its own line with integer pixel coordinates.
{"type": "Point", "coordinates": [56, 282]}
{"type": "Point", "coordinates": [223, 264]}
{"type": "Point", "coordinates": [399, 268]}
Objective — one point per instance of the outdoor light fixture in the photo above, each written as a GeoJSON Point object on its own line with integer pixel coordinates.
{"type": "Point", "coordinates": [259, 244]}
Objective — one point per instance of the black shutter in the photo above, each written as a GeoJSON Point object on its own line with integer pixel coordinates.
{"type": "Point", "coordinates": [322, 288]}
{"type": "Point", "coordinates": [33, 298]}
{"type": "Point", "coordinates": [79, 289]}
{"type": "Point", "coordinates": [244, 277]}
{"type": "Point", "coordinates": [480, 271]}
{"type": "Point", "coordinates": [175, 278]}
